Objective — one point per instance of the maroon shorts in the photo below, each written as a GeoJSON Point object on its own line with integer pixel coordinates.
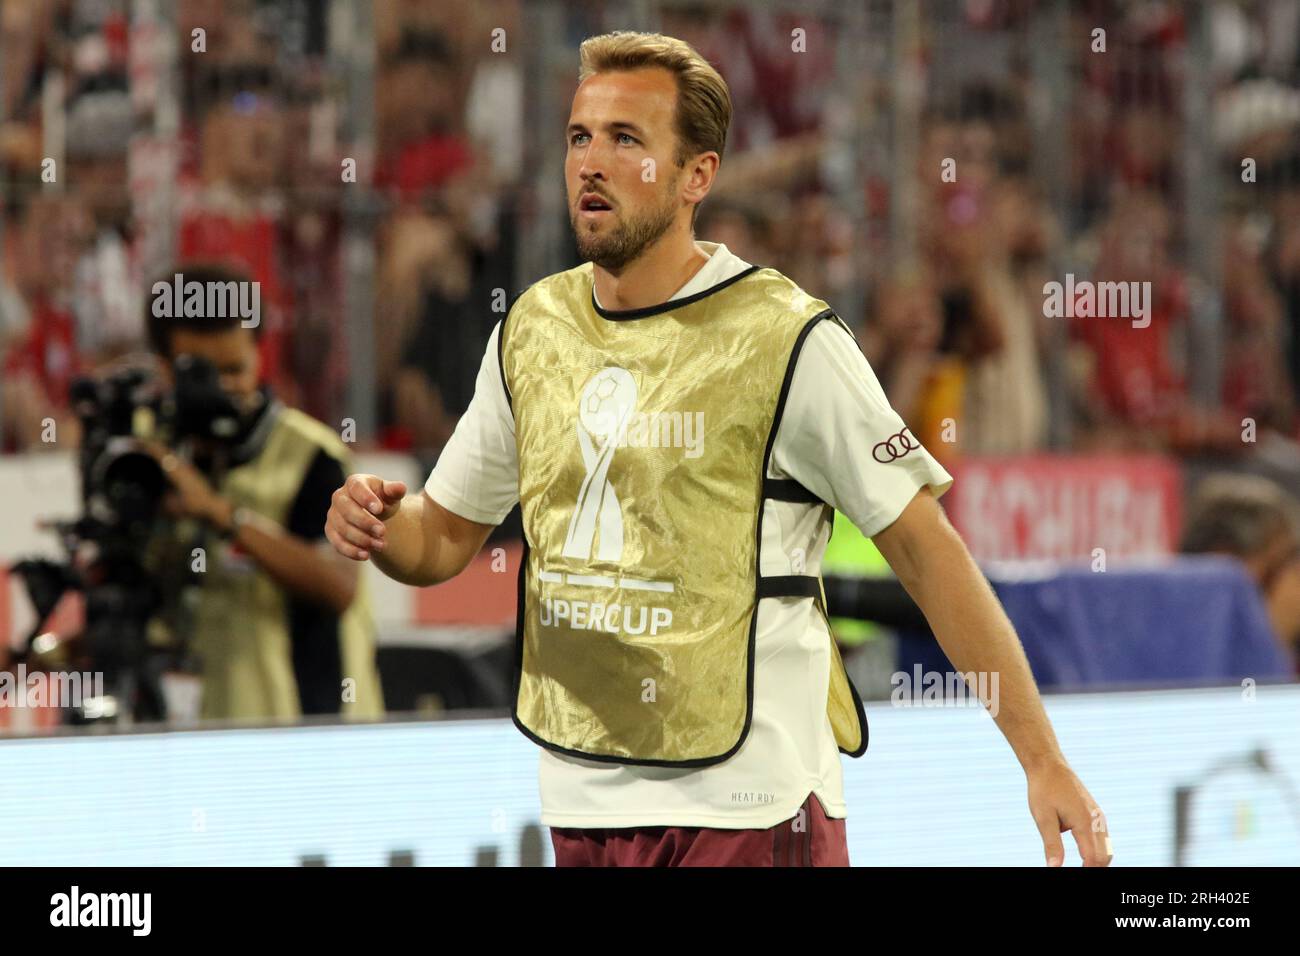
{"type": "Point", "coordinates": [809, 838]}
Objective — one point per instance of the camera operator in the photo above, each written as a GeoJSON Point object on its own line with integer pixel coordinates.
{"type": "Point", "coordinates": [281, 626]}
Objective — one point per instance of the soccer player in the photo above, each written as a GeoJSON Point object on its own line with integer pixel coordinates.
{"type": "Point", "coordinates": [678, 426]}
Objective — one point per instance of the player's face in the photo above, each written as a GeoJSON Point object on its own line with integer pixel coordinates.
{"type": "Point", "coordinates": [621, 148]}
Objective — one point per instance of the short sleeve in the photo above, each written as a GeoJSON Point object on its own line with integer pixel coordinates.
{"type": "Point", "coordinates": [840, 439]}
{"type": "Point", "coordinates": [315, 495]}
{"type": "Point", "coordinates": [477, 474]}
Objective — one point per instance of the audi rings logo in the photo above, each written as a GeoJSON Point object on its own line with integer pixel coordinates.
{"type": "Point", "coordinates": [894, 447]}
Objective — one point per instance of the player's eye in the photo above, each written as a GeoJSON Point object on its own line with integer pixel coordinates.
{"type": "Point", "coordinates": [574, 137]}
{"type": "Point", "coordinates": [629, 136]}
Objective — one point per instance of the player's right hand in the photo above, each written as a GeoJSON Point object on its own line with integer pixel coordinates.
{"type": "Point", "coordinates": [357, 513]}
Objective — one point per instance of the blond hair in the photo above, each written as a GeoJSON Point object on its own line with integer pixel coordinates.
{"type": "Point", "coordinates": [1241, 514]}
{"type": "Point", "coordinates": [703, 110]}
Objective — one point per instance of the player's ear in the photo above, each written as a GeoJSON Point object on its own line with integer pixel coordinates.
{"type": "Point", "coordinates": [702, 169]}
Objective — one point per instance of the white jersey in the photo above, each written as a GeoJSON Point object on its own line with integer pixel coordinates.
{"type": "Point", "coordinates": [835, 415]}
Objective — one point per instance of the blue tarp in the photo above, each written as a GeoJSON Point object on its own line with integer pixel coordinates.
{"type": "Point", "coordinates": [1188, 620]}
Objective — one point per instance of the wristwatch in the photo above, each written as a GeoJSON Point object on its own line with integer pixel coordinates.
{"type": "Point", "coordinates": [238, 517]}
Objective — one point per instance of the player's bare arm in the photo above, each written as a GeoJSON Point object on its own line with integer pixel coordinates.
{"type": "Point", "coordinates": [411, 538]}
{"type": "Point", "coordinates": [935, 567]}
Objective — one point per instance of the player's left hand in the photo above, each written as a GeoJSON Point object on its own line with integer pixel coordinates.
{"type": "Point", "coordinates": [1058, 801]}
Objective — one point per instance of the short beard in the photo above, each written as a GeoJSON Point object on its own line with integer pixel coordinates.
{"type": "Point", "coordinates": [627, 240]}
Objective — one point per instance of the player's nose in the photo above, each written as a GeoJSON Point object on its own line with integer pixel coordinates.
{"type": "Point", "coordinates": [593, 164]}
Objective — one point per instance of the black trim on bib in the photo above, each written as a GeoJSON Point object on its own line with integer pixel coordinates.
{"type": "Point", "coordinates": [501, 360]}
{"type": "Point", "coordinates": [619, 316]}
{"type": "Point", "coordinates": [771, 483]}
{"type": "Point", "coordinates": [845, 326]}
{"type": "Point", "coordinates": [787, 489]}
{"type": "Point", "coordinates": [857, 698]}
{"type": "Point", "coordinates": [790, 585]}
{"type": "Point", "coordinates": [517, 680]}
{"type": "Point", "coordinates": [501, 344]}
{"type": "Point", "coordinates": [517, 672]}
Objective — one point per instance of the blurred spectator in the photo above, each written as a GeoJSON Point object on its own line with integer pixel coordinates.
{"type": "Point", "coordinates": [434, 315]}
{"type": "Point", "coordinates": [106, 283]}
{"type": "Point", "coordinates": [1282, 259]}
{"type": "Point", "coordinates": [231, 207]}
{"type": "Point", "coordinates": [1135, 381]}
{"type": "Point", "coordinates": [1256, 380]}
{"type": "Point", "coordinates": [435, 379]}
{"type": "Point", "coordinates": [902, 344]}
{"type": "Point", "coordinates": [1138, 389]}
{"type": "Point", "coordinates": [494, 101]}
{"type": "Point", "coordinates": [421, 140]}
{"type": "Point", "coordinates": [1127, 125]}
{"type": "Point", "coordinates": [818, 254]}
{"type": "Point", "coordinates": [26, 41]}
{"type": "Point", "coordinates": [975, 225]}
{"type": "Point", "coordinates": [784, 94]}
{"type": "Point", "coordinates": [744, 228]}
{"type": "Point", "coordinates": [1254, 520]}
{"type": "Point", "coordinates": [43, 357]}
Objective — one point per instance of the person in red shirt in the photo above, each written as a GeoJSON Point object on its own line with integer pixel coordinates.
{"type": "Point", "coordinates": [421, 145]}
{"type": "Point", "coordinates": [43, 358]}
{"type": "Point", "coordinates": [231, 207]}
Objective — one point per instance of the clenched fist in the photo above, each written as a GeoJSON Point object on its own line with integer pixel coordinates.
{"type": "Point", "coordinates": [357, 513]}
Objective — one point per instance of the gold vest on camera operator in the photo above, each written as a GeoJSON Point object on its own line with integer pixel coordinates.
{"type": "Point", "coordinates": [239, 622]}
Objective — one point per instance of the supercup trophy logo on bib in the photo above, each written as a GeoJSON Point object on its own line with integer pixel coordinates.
{"type": "Point", "coordinates": [608, 400]}
{"type": "Point", "coordinates": [608, 420]}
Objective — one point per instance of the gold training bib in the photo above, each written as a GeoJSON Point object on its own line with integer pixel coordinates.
{"type": "Point", "coordinates": [241, 626]}
{"type": "Point", "coordinates": [644, 439]}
